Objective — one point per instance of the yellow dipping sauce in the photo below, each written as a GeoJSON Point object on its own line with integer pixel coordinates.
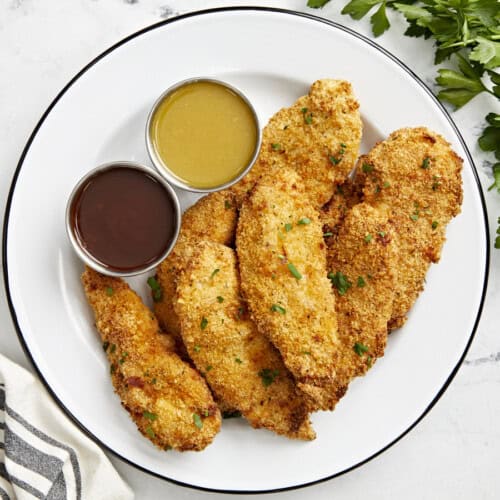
{"type": "Point", "coordinates": [204, 134]}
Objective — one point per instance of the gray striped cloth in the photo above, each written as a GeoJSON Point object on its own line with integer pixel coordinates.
{"type": "Point", "coordinates": [42, 453]}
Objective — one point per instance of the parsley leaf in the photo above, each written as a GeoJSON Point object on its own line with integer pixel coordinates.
{"type": "Point", "coordinates": [486, 52]}
{"type": "Point", "coordinates": [460, 88]}
{"type": "Point", "coordinates": [316, 4]}
{"type": "Point", "coordinates": [155, 289]}
{"type": "Point", "coordinates": [379, 21]}
{"type": "Point", "coordinates": [267, 375]}
{"type": "Point", "coordinates": [357, 9]}
{"type": "Point", "coordinates": [198, 422]}
{"type": "Point", "coordinates": [340, 282]}
{"type": "Point", "coordinates": [278, 308]}
{"type": "Point", "coordinates": [360, 348]}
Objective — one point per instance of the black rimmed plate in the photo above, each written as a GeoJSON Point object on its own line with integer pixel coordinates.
{"type": "Point", "coordinates": [273, 56]}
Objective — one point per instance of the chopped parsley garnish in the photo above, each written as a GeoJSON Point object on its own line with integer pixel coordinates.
{"type": "Point", "coordinates": [220, 299]}
{"type": "Point", "coordinates": [381, 234]}
{"type": "Point", "coordinates": [334, 160]}
{"type": "Point", "coordinates": [367, 168]}
{"type": "Point", "coordinates": [387, 184]}
{"type": "Point", "coordinates": [361, 282]}
{"type": "Point", "coordinates": [197, 348]}
{"type": "Point", "coordinates": [105, 345]}
{"type": "Point", "coordinates": [278, 308]}
{"type": "Point", "coordinates": [113, 348]}
{"type": "Point", "coordinates": [149, 415]}
{"type": "Point", "coordinates": [112, 369]}
{"type": "Point", "coordinates": [328, 233]}
{"type": "Point", "coordinates": [214, 272]}
{"type": "Point", "coordinates": [238, 360]}
{"type": "Point", "coordinates": [276, 146]}
{"type": "Point", "coordinates": [308, 353]}
{"type": "Point", "coordinates": [203, 323]}
{"type": "Point", "coordinates": [368, 237]}
{"type": "Point", "coordinates": [267, 375]}
{"type": "Point", "coordinates": [360, 348]}
{"type": "Point", "coordinates": [340, 282]}
{"type": "Point", "coordinates": [304, 221]}
{"type": "Point", "coordinates": [227, 204]}
{"type": "Point", "coordinates": [208, 368]}
{"type": "Point", "coordinates": [281, 256]}
{"type": "Point", "coordinates": [426, 163]}
{"type": "Point", "coordinates": [293, 271]}
{"type": "Point", "coordinates": [288, 227]}
{"type": "Point", "coordinates": [369, 361]}
{"type": "Point", "coordinates": [414, 217]}
{"type": "Point", "coordinates": [109, 291]}
{"type": "Point", "coordinates": [197, 421]}
{"type": "Point", "coordinates": [307, 117]}
{"type": "Point", "coordinates": [122, 359]}
{"type": "Point", "coordinates": [155, 288]}
{"type": "Point", "coordinates": [150, 432]}
{"type": "Point", "coordinates": [435, 224]}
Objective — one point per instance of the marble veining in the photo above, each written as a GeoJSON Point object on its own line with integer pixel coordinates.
{"type": "Point", "coordinates": [492, 358]}
{"type": "Point", "coordinates": [166, 12]}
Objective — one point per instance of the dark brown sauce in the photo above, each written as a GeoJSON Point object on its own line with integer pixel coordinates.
{"type": "Point", "coordinates": [123, 218]}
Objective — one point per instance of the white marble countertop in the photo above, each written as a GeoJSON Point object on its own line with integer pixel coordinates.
{"type": "Point", "coordinates": [454, 451]}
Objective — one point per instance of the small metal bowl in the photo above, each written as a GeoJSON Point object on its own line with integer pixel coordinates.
{"type": "Point", "coordinates": [161, 166]}
{"type": "Point", "coordinates": [84, 254]}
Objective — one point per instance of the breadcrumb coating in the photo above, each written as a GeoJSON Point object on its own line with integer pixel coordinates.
{"type": "Point", "coordinates": [282, 260]}
{"type": "Point", "coordinates": [362, 266]}
{"type": "Point", "coordinates": [318, 137]}
{"type": "Point", "coordinates": [210, 218]}
{"type": "Point", "coordinates": [418, 176]}
{"type": "Point", "coordinates": [167, 399]}
{"type": "Point", "coordinates": [241, 366]}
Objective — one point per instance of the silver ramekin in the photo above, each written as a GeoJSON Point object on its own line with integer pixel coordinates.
{"type": "Point", "coordinates": [163, 169]}
{"type": "Point", "coordinates": [85, 256]}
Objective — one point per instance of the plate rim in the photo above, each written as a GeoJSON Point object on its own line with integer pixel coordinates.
{"type": "Point", "coordinates": [102, 55]}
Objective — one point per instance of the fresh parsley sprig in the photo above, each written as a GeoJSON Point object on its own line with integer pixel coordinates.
{"type": "Point", "coordinates": [468, 30]}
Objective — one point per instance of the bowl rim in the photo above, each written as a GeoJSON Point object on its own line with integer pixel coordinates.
{"type": "Point", "coordinates": [161, 166]}
{"type": "Point", "coordinates": [86, 256]}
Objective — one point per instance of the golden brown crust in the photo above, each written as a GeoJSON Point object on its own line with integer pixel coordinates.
{"type": "Point", "coordinates": [271, 243]}
{"type": "Point", "coordinates": [416, 173]}
{"type": "Point", "coordinates": [211, 218]}
{"type": "Point", "coordinates": [167, 399]}
{"type": "Point", "coordinates": [363, 252]}
{"type": "Point", "coordinates": [318, 137]}
{"type": "Point", "coordinates": [226, 346]}
{"type": "Point", "coordinates": [331, 215]}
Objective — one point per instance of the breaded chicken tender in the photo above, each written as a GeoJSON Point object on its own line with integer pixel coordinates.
{"type": "Point", "coordinates": [211, 218]}
{"type": "Point", "coordinates": [318, 136]}
{"type": "Point", "coordinates": [362, 267]}
{"type": "Point", "coordinates": [167, 399]}
{"type": "Point", "coordinates": [417, 174]}
{"type": "Point", "coordinates": [241, 366]}
{"type": "Point", "coordinates": [282, 259]}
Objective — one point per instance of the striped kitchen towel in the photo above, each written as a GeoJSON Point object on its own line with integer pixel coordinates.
{"type": "Point", "coordinates": [42, 453]}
